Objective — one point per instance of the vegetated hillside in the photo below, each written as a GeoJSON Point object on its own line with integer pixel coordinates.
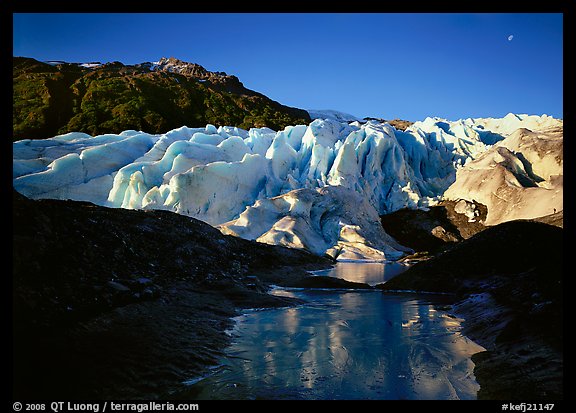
{"type": "Point", "coordinates": [54, 99]}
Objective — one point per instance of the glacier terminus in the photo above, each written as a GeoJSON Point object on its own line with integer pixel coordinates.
{"type": "Point", "coordinates": [320, 187]}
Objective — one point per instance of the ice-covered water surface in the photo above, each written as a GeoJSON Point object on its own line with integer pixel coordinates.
{"type": "Point", "coordinates": [345, 345]}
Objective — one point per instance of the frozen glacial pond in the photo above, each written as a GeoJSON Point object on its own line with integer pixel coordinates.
{"type": "Point", "coordinates": [345, 344]}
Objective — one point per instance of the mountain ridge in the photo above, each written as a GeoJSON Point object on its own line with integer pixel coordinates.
{"type": "Point", "coordinates": [60, 97]}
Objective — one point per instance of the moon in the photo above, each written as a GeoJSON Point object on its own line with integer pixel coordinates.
{"type": "Point", "coordinates": [510, 37]}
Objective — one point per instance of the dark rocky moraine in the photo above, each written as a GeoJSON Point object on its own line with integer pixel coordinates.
{"type": "Point", "coordinates": [507, 283]}
{"type": "Point", "coordinates": [115, 303]}
{"type": "Point", "coordinates": [435, 229]}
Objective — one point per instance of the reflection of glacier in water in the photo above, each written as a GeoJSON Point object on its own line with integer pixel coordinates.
{"type": "Point", "coordinates": [345, 345]}
{"type": "Point", "coordinates": [366, 272]}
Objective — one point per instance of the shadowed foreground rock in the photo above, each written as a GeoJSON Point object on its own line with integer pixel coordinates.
{"type": "Point", "coordinates": [115, 303]}
{"type": "Point", "coordinates": [439, 227]}
{"type": "Point", "coordinates": [507, 283]}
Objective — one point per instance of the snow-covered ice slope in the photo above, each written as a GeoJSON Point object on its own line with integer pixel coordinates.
{"type": "Point", "coordinates": [332, 114]}
{"type": "Point", "coordinates": [319, 186]}
{"type": "Point", "coordinates": [331, 220]}
{"type": "Point", "coordinates": [520, 177]}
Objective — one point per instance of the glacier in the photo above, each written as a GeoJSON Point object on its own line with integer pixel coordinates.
{"type": "Point", "coordinates": [520, 177]}
{"type": "Point", "coordinates": [332, 114]}
{"type": "Point", "coordinates": [320, 186]}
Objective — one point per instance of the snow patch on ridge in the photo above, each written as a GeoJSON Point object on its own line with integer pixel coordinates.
{"type": "Point", "coordinates": [332, 115]}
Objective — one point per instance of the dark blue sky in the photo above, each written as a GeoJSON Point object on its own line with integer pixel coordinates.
{"type": "Point", "coordinates": [384, 65]}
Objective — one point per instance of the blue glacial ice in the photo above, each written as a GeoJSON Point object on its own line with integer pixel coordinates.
{"type": "Point", "coordinates": [319, 186]}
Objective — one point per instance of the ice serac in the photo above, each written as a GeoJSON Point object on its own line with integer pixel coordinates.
{"type": "Point", "coordinates": [319, 186]}
{"type": "Point", "coordinates": [219, 190]}
{"type": "Point", "coordinates": [75, 166]}
{"type": "Point", "coordinates": [331, 220]}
